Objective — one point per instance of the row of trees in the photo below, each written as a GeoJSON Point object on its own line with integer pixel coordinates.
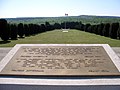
{"type": "Point", "coordinates": [104, 29]}
{"type": "Point", "coordinates": [111, 30]}
{"type": "Point", "coordinates": [13, 31]}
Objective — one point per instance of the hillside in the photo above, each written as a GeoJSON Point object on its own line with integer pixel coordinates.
{"type": "Point", "coordinates": [52, 20]}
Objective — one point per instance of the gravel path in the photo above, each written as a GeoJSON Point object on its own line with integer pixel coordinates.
{"type": "Point", "coordinates": [4, 51]}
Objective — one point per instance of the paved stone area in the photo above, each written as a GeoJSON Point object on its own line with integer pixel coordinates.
{"type": "Point", "coordinates": [116, 50]}
{"type": "Point", "coordinates": [4, 51]}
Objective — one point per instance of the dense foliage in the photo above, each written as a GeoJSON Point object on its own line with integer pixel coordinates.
{"type": "Point", "coordinates": [4, 30]}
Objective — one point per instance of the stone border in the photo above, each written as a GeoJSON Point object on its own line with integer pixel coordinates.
{"type": "Point", "coordinates": [60, 82]}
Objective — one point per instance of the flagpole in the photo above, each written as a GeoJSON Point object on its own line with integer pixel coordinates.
{"type": "Point", "coordinates": [65, 21]}
{"type": "Point", "coordinates": [65, 25]}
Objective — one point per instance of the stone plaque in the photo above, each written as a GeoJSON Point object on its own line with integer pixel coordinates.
{"type": "Point", "coordinates": [71, 60]}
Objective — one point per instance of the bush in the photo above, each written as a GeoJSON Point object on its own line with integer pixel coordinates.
{"type": "Point", "coordinates": [4, 30]}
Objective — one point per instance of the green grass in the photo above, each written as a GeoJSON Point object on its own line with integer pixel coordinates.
{"type": "Point", "coordinates": [59, 37]}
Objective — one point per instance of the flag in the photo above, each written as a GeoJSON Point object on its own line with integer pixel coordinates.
{"type": "Point", "coordinates": [66, 14]}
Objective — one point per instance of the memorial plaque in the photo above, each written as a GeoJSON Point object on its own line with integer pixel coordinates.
{"type": "Point", "coordinates": [60, 60]}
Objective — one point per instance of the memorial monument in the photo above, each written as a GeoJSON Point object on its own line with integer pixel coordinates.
{"type": "Point", "coordinates": [63, 60]}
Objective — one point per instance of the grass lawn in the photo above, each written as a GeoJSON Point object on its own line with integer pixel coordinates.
{"type": "Point", "coordinates": [59, 37]}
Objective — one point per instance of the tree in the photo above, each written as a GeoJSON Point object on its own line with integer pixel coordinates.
{"type": "Point", "coordinates": [77, 25]}
{"type": "Point", "coordinates": [47, 25]}
{"type": "Point", "coordinates": [100, 29]}
{"type": "Point", "coordinates": [82, 27]}
{"type": "Point", "coordinates": [86, 27]}
{"type": "Point", "coordinates": [113, 30]}
{"type": "Point", "coordinates": [106, 30]}
{"type": "Point", "coordinates": [57, 26]}
{"type": "Point", "coordinates": [13, 32]}
{"type": "Point", "coordinates": [118, 33]}
{"type": "Point", "coordinates": [63, 25]}
{"type": "Point", "coordinates": [43, 28]}
{"type": "Point", "coordinates": [26, 30]}
{"type": "Point", "coordinates": [31, 29]}
{"type": "Point", "coordinates": [90, 28]}
{"type": "Point", "coordinates": [20, 30]}
{"type": "Point", "coordinates": [37, 29]}
{"type": "Point", "coordinates": [4, 30]}
{"type": "Point", "coordinates": [95, 29]}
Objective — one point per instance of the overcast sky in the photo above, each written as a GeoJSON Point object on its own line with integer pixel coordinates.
{"type": "Point", "coordinates": [53, 8]}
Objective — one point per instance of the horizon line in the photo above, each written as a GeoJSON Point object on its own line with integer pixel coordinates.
{"type": "Point", "coordinates": [62, 16]}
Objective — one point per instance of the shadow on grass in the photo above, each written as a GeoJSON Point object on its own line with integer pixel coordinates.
{"type": "Point", "coordinates": [21, 37]}
{"type": "Point", "coordinates": [4, 42]}
{"type": "Point", "coordinates": [13, 39]}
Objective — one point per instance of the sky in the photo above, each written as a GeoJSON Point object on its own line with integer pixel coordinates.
{"type": "Point", "coordinates": [56, 8]}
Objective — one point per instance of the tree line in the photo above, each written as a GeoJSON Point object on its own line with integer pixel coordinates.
{"type": "Point", "coordinates": [83, 18]}
{"type": "Point", "coordinates": [14, 31]}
